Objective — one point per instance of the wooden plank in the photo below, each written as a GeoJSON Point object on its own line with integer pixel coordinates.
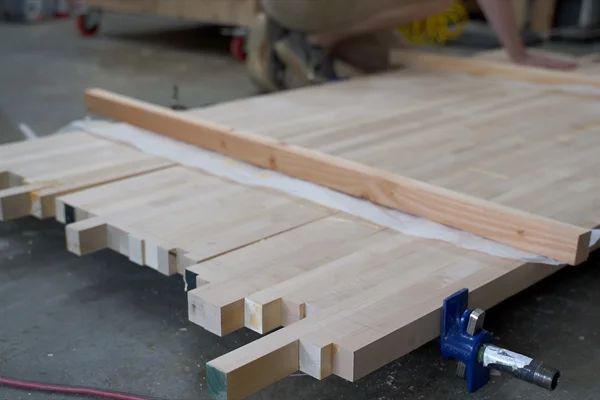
{"type": "Point", "coordinates": [15, 202]}
{"type": "Point", "coordinates": [43, 200]}
{"type": "Point", "coordinates": [480, 67]}
{"type": "Point", "coordinates": [532, 149]}
{"type": "Point", "coordinates": [218, 303]}
{"type": "Point", "coordinates": [564, 242]}
{"type": "Point", "coordinates": [177, 216]}
{"type": "Point", "coordinates": [227, 12]}
{"type": "Point", "coordinates": [36, 171]}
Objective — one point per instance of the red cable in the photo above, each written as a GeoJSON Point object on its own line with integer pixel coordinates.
{"type": "Point", "coordinates": [64, 389]}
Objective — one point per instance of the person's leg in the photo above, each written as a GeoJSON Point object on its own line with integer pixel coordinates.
{"type": "Point", "coordinates": [316, 27]}
{"type": "Point", "coordinates": [263, 67]}
{"type": "Point", "coordinates": [390, 18]}
{"type": "Point", "coordinates": [369, 53]}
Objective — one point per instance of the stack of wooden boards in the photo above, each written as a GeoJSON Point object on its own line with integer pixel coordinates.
{"type": "Point", "coordinates": [514, 161]}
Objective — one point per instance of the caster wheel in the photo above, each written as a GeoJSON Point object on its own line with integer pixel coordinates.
{"type": "Point", "coordinates": [88, 24]}
{"type": "Point", "coordinates": [237, 48]}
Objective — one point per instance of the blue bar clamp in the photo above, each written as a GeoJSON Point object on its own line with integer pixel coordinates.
{"type": "Point", "coordinates": [464, 339]}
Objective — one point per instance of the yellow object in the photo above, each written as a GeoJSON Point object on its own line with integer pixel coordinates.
{"type": "Point", "coordinates": [439, 28]}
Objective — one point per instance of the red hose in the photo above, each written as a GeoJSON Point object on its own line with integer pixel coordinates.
{"type": "Point", "coordinates": [64, 389]}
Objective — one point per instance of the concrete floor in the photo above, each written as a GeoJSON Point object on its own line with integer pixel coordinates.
{"type": "Point", "coordinates": [102, 321]}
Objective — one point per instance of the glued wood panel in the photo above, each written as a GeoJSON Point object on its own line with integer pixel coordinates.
{"type": "Point", "coordinates": [367, 317]}
{"type": "Point", "coordinates": [176, 217]}
{"type": "Point", "coordinates": [35, 172]}
{"type": "Point", "coordinates": [533, 147]}
{"type": "Point", "coordinates": [564, 242]}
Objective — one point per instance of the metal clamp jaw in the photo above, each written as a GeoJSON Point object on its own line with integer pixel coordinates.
{"type": "Point", "coordinates": [463, 338]}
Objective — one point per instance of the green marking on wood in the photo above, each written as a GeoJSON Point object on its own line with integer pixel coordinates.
{"type": "Point", "coordinates": [217, 383]}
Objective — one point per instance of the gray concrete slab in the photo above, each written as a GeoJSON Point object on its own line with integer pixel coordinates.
{"type": "Point", "coordinates": [102, 321]}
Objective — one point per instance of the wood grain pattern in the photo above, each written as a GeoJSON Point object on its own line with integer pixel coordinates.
{"type": "Point", "coordinates": [533, 149]}
{"type": "Point", "coordinates": [350, 296]}
{"type": "Point", "coordinates": [373, 326]}
{"type": "Point", "coordinates": [175, 217]}
{"type": "Point", "coordinates": [539, 235]}
{"type": "Point", "coordinates": [37, 171]}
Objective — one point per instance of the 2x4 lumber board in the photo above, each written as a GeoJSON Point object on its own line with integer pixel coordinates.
{"type": "Point", "coordinates": [564, 242]}
{"type": "Point", "coordinates": [480, 67]}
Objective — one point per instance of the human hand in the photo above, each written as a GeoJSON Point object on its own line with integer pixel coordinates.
{"type": "Point", "coordinates": [543, 61]}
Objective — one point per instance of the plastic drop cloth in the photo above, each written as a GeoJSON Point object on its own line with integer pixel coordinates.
{"type": "Point", "coordinates": [246, 174]}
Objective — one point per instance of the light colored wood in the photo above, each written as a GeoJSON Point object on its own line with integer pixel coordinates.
{"type": "Point", "coordinates": [399, 306]}
{"type": "Point", "coordinates": [480, 67]}
{"type": "Point", "coordinates": [36, 171]}
{"type": "Point", "coordinates": [376, 278]}
{"type": "Point", "coordinates": [362, 268]}
{"type": "Point", "coordinates": [395, 321]}
{"type": "Point", "coordinates": [218, 303]}
{"type": "Point", "coordinates": [178, 215]}
{"type": "Point", "coordinates": [534, 149]}
{"type": "Point", "coordinates": [15, 202]}
{"type": "Point", "coordinates": [351, 296]}
{"type": "Point", "coordinates": [530, 148]}
{"type": "Point", "coordinates": [588, 65]}
{"type": "Point", "coordinates": [564, 242]}
{"type": "Point", "coordinates": [86, 236]}
{"type": "Point", "coordinates": [227, 12]}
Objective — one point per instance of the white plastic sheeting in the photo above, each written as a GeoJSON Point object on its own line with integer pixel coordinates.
{"type": "Point", "coordinates": [246, 174]}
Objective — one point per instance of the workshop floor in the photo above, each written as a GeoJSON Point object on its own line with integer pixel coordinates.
{"type": "Point", "coordinates": [103, 321]}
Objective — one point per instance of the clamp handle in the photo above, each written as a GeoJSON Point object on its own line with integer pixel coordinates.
{"type": "Point", "coordinates": [464, 339]}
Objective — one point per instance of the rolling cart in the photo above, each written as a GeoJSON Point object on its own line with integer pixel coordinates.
{"type": "Point", "coordinates": [234, 15]}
